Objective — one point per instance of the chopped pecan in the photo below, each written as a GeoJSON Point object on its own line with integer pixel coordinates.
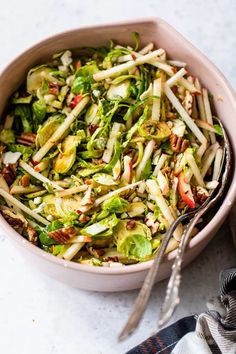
{"type": "Point", "coordinates": [92, 128]}
{"type": "Point", "coordinates": [53, 89]}
{"type": "Point", "coordinates": [181, 92]}
{"type": "Point", "coordinates": [25, 181]}
{"type": "Point", "coordinates": [88, 181]}
{"type": "Point", "coordinates": [171, 115]}
{"type": "Point", "coordinates": [178, 144]}
{"type": "Point", "coordinates": [9, 173]}
{"type": "Point", "coordinates": [16, 221]}
{"type": "Point", "coordinates": [96, 252]}
{"type": "Point", "coordinates": [63, 235]}
{"type": "Point", "coordinates": [199, 195]}
{"type": "Point", "coordinates": [97, 161]}
{"type": "Point", "coordinates": [27, 139]}
{"type": "Point", "coordinates": [84, 218]}
{"type": "Point", "coordinates": [168, 172]}
{"type": "Point", "coordinates": [32, 235]}
{"type": "Point", "coordinates": [77, 64]}
{"type": "Point", "coordinates": [130, 224]}
{"type": "Point", "coordinates": [188, 102]}
{"type": "Point", "coordinates": [111, 259]}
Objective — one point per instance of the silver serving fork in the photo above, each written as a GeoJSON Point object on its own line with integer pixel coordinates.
{"type": "Point", "coordinates": [172, 298]}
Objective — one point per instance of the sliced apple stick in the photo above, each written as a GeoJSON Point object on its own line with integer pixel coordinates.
{"type": "Point", "coordinates": [80, 238]}
{"type": "Point", "coordinates": [38, 175]}
{"type": "Point", "coordinates": [115, 70]}
{"type": "Point", "coordinates": [208, 113]}
{"type": "Point", "coordinates": [156, 101]}
{"type": "Point", "coordinates": [117, 191]}
{"type": "Point", "coordinates": [156, 195]}
{"type": "Point", "coordinates": [61, 130]}
{"type": "Point", "coordinates": [72, 250]}
{"type": "Point", "coordinates": [148, 151]}
{"type": "Point", "coordinates": [187, 119]}
{"type": "Point", "coordinates": [71, 191]}
{"type": "Point", "coordinates": [178, 63]}
{"type": "Point", "coordinates": [160, 164]}
{"type": "Point", "coordinates": [217, 164]}
{"type": "Point", "coordinates": [146, 49]}
{"type": "Point", "coordinates": [208, 158]}
{"type": "Point", "coordinates": [25, 209]}
{"type": "Point", "coordinates": [175, 78]}
{"type": "Point", "coordinates": [158, 63]}
{"type": "Point", "coordinates": [194, 167]}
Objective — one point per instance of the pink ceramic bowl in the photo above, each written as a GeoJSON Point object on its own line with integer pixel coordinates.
{"type": "Point", "coordinates": [163, 35]}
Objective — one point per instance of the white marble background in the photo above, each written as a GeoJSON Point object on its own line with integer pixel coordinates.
{"type": "Point", "coordinates": [41, 316]}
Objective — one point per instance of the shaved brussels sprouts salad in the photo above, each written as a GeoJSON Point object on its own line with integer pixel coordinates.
{"type": "Point", "coordinates": [102, 149]}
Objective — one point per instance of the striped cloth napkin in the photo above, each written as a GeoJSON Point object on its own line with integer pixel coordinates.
{"type": "Point", "coordinates": [210, 332]}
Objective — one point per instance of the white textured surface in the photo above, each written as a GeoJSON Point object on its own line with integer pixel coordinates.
{"type": "Point", "coordinates": [41, 316]}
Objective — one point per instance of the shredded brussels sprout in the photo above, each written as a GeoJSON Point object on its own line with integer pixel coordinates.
{"type": "Point", "coordinates": [102, 149]}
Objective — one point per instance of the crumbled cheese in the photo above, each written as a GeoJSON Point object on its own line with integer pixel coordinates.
{"type": "Point", "coordinates": [70, 80]}
{"type": "Point", "coordinates": [50, 218]}
{"type": "Point", "coordinates": [66, 58]}
{"type": "Point", "coordinates": [179, 128]}
{"type": "Point", "coordinates": [96, 93]}
{"type": "Point", "coordinates": [136, 199]}
{"type": "Point", "coordinates": [11, 157]}
{"type": "Point", "coordinates": [37, 200]}
{"type": "Point", "coordinates": [40, 208]}
{"type": "Point", "coordinates": [63, 68]}
{"type": "Point", "coordinates": [150, 220]}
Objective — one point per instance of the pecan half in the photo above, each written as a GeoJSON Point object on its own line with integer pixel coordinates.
{"type": "Point", "coordinates": [63, 235]}
{"type": "Point", "coordinates": [9, 173]}
{"type": "Point", "coordinates": [27, 139]}
{"type": "Point", "coordinates": [16, 221]}
{"type": "Point", "coordinates": [178, 144]}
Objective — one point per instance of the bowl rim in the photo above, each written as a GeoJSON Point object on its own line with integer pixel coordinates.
{"type": "Point", "coordinates": [143, 266]}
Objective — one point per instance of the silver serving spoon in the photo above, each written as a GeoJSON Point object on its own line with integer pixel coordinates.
{"type": "Point", "coordinates": [144, 294]}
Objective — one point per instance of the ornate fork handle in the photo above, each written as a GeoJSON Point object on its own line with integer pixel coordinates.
{"type": "Point", "coordinates": [144, 294]}
{"type": "Point", "coordinates": [172, 292]}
